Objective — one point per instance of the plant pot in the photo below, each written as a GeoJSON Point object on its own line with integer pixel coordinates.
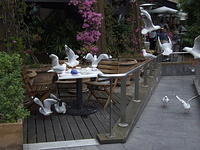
{"type": "Point", "coordinates": [11, 136]}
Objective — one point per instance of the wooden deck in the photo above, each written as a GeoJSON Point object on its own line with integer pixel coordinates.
{"type": "Point", "coordinates": [62, 127]}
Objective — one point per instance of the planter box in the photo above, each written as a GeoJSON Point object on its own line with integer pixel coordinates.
{"type": "Point", "coordinates": [11, 136]}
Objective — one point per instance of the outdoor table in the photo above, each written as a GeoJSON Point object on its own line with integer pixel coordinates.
{"type": "Point", "coordinates": [77, 108]}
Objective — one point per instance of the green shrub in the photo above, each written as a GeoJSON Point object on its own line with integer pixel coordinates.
{"type": "Point", "coordinates": [11, 90]}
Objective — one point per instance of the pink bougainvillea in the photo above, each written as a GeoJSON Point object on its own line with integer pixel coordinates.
{"type": "Point", "coordinates": [91, 23]}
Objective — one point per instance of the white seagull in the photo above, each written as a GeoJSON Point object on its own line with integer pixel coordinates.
{"type": "Point", "coordinates": [165, 100]}
{"type": "Point", "coordinates": [72, 62]}
{"type": "Point", "coordinates": [60, 106]}
{"type": "Point", "coordinates": [55, 64]}
{"type": "Point", "coordinates": [45, 106]}
{"type": "Point", "coordinates": [94, 59]}
{"type": "Point", "coordinates": [195, 51]}
{"type": "Point", "coordinates": [166, 47]}
{"type": "Point", "coordinates": [149, 26]}
{"type": "Point", "coordinates": [147, 55]}
{"type": "Point", "coordinates": [186, 104]}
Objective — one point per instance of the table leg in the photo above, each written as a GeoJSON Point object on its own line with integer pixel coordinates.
{"type": "Point", "coordinates": [79, 101]}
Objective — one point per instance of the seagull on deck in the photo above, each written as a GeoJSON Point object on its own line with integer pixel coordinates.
{"type": "Point", "coordinates": [60, 106]}
{"type": "Point", "coordinates": [186, 104]}
{"type": "Point", "coordinates": [165, 100]}
{"type": "Point", "coordinates": [56, 67]}
{"type": "Point", "coordinates": [45, 106]}
{"type": "Point", "coordinates": [166, 47]}
{"type": "Point", "coordinates": [95, 60]}
{"type": "Point", "coordinates": [149, 26]}
{"type": "Point", "coordinates": [148, 55]}
{"type": "Point", "coordinates": [195, 50]}
{"type": "Point", "coordinates": [72, 62]}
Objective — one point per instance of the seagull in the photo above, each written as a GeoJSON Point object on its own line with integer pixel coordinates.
{"type": "Point", "coordinates": [147, 55]}
{"type": "Point", "coordinates": [60, 106]}
{"type": "Point", "coordinates": [72, 62]}
{"type": "Point", "coordinates": [166, 47]}
{"type": "Point", "coordinates": [186, 104]}
{"type": "Point", "coordinates": [45, 107]}
{"type": "Point", "coordinates": [165, 100]}
{"type": "Point", "coordinates": [96, 60]}
{"type": "Point", "coordinates": [56, 67]}
{"type": "Point", "coordinates": [149, 26]}
{"type": "Point", "coordinates": [195, 51]}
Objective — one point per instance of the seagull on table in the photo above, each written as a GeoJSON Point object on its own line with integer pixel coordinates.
{"type": "Point", "coordinates": [186, 104]}
{"type": "Point", "coordinates": [94, 59]}
{"type": "Point", "coordinates": [165, 100]}
{"type": "Point", "coordinates": [166, 47]}
{"type": "Point", "coordinates": [72, 62]}
{"type": "Point", "coordinates": [56, 67]}
{"type": "Point", "coordinates": [45, 106]}
{"type": "Point", "coordinates": [149, 26]}
{"type": "Point", "coordinates": [147, 55]}
{"type": "Point", "coordinates": [60, 106]}
{"type": "Point", "coordinates": [195, 50]}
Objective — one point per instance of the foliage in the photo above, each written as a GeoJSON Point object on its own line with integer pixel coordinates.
{"type": "Point", "coordinates": [192, 8]}
{"type": "Point", "coordinates": [11, 95]}
{"type": "Point", "coordinates": [119, 28]}
{"type": "Point", "coordinates": [91, 23]}
{"type": "Point", "coordinates": [15, 34]}
{"type": "Point", "coordinates": [55, 31]}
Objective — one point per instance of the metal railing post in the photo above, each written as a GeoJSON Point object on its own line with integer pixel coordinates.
{"type": "Point", "coordinates": [137, 79]}
{"type": "Point", "coordinates": [123, 101]}
{"type": "Point", "coordinates": [110, 99]}
{"type": "Point", "coordinates": [145, 84]}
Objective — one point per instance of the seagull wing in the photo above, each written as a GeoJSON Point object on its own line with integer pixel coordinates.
{"type": "Point", "coordinates": [70, 54]}
{"type": "Point", "coordinates": [197, 44]}
{"type": "Point", "coordinates": [147, 19]}
{"type": "Point", "coordinates": [170, 41]}
{"type": "Point", "coordinates": [89, 57]}
{"type": "Point", "coordinates": [48, 102]}
{"type": "Point", "coordinates": [37, 101]}
{"type": "Point", "coordinates": [181, 100]}
{"type": "Point", "coordinates": [102, 56]}
{"type": "Point", "coordinates": [193, 98]}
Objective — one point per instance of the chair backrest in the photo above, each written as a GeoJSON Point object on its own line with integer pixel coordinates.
{"type": "Point", "coordinates": [117, 66]}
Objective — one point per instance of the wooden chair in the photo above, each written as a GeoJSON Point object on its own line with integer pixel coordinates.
{"type": "Point", "coordinates": [37, 85]}
{"type": "Point", "coordinates": [103, 85]}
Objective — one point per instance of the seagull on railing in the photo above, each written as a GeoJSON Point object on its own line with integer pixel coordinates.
{"type": "Point", "coordinates": [72, 62]}
{"type": "Point", "coordinates": [149, 26]}
{"type": "Point", "coordinates": [148, 55]}
{"type": "Point", "coordinates": [56, 67]}
{"type": "Point", "coordinates": [186, 104]}
{"type": "Point", "coordinates": [45, 106]}
{"type": "Point", "coordinates": [94, 59]}
{"type": "Point", "coordinates": [165, 100]}
{"type": "Point", "coordinates": [195, 50]}
{"type": "Point", "coordinates": [166, 47]}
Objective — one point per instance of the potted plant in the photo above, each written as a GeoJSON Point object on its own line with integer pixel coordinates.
{"type": "Point", "coordinates": [11, 102]}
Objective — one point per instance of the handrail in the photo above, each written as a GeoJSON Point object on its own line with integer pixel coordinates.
{"type": "Point", "coordinates": [121, 75]}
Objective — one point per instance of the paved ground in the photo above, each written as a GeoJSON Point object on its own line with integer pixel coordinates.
{"type": "Point", "coordinates": [164, 128]}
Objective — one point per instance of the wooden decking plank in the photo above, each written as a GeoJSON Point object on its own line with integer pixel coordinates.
{"type": "Point", "coordinates": [57, 128]}
{"type": "Point", "coordinates": [105, 122]}
{"type": "Point", "coordinates": [65, 127]}
{"type": "Point", "coordinates": [31, 129]}
{"type": "Point", "coordinates": [93, 131]}
{"type": "Point", "coordinates": [97, 123]}
{"type": "Point", "coordinates": [50, 137]}
{"type": "Point", "coordinates": [25, 130]}
{"type": "Point", "coordinates": [40, 130]}
{"type": "Point", "coordinates": [75, 130]}
{"type": "Point", "coordinates": [82, 127]}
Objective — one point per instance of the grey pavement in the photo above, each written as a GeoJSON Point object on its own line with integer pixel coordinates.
{"type": "Point", "coordinates": [164, 128]}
